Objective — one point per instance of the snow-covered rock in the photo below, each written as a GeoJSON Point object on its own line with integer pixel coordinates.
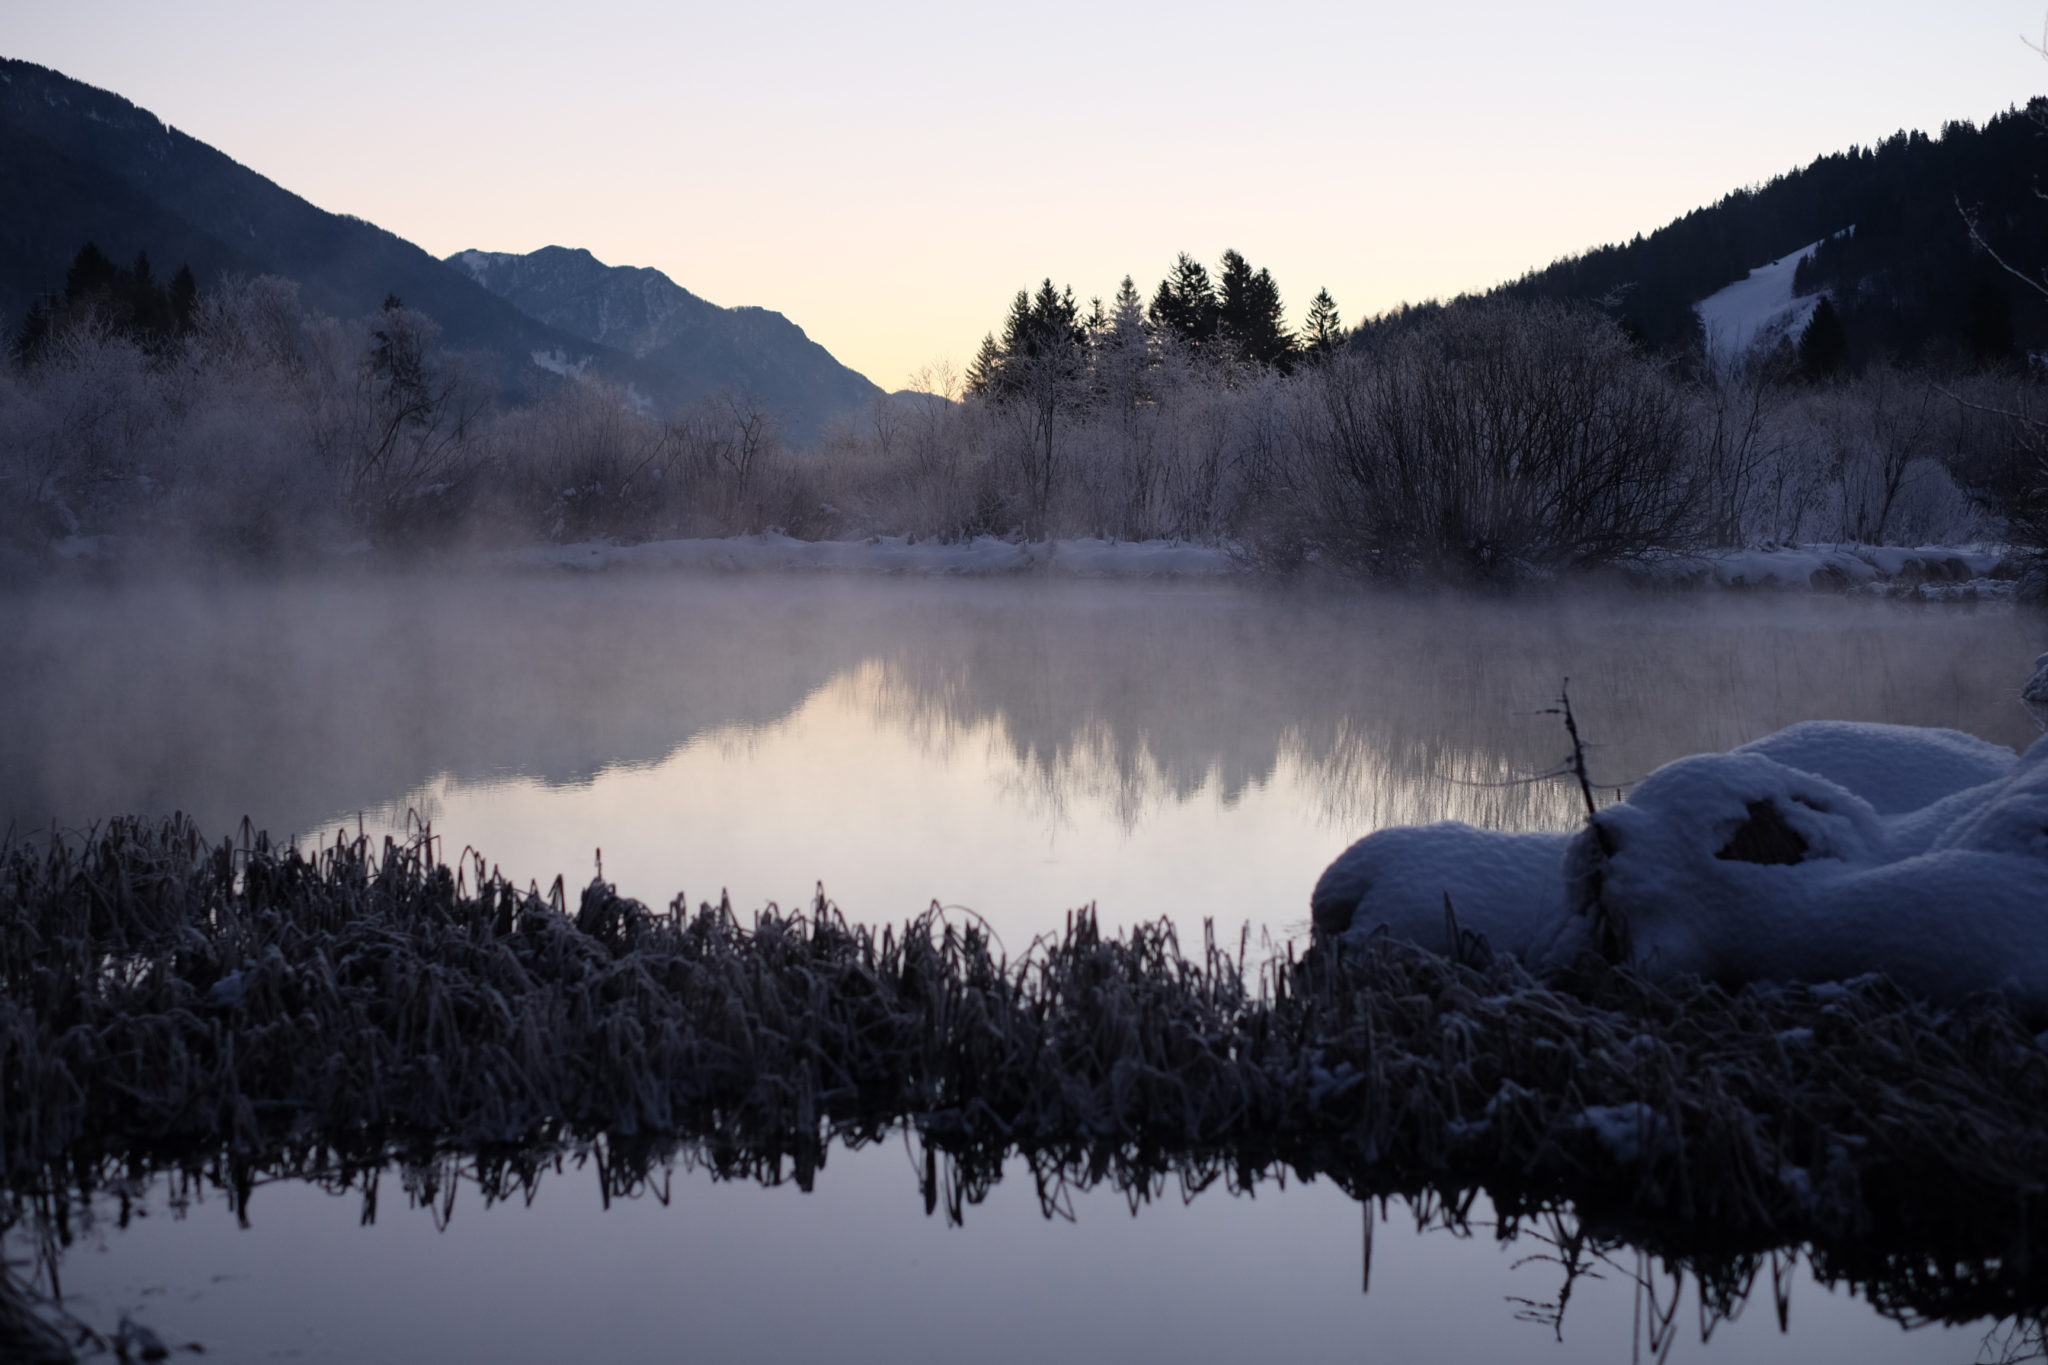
{"type": "Point", "coordinates": [1822, 852]}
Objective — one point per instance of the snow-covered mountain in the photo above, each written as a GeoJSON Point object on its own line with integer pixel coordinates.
{"type": "Point", "coordinates": [644, 313]}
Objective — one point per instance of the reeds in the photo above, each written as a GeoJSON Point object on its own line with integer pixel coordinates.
{"type": "Point", "coordinates": [170, 1002]}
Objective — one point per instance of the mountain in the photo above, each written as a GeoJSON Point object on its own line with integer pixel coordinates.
{"type": "Point", "coordinates": [80, 164]}
{"type": "Point", "coordinates": [90, 166]}
{"type": "Point", "coordinates": [1894, 250]}
{"type": "Point", "coordinates": [645, 314]}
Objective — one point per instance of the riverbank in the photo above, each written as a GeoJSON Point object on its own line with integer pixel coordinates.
{"type": "Point", "coordinates": [1943, 573]}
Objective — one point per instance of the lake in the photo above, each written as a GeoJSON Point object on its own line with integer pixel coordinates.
{"type": "Point", "coordinates": [1012, 749]}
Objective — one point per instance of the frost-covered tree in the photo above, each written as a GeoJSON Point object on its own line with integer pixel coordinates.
{"type": "Point", "coordinates": [1122, 348]}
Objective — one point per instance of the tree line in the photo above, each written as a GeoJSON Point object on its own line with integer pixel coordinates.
{"type": "Point", "coordinates": [1235, 317]}
{"type": "Point", "coordinates": [130, 302]}
{"type": "Point", "coordinates": [1491, 441]}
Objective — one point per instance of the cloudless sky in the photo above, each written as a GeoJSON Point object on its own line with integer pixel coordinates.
{"type": "Point", "coordinates": [889, 174]}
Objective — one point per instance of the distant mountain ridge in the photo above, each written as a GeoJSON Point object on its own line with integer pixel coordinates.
{"type": "Point", "coordinates": [81, 164]}
{"type": "Point", "coordinates": [642, 312]}
{"type": "Point", "coordinates": [87, 165]}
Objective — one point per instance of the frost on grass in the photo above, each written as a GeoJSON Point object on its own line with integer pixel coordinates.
{"type": "Point", "coordinates": [169, 1003]}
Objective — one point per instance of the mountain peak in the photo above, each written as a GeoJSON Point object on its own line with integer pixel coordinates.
{"type": "Point", "coordinates": [640, 310]}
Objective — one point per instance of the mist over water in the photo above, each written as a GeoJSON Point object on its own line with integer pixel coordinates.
{"type": "Point", "coordinates": [1016, 748]}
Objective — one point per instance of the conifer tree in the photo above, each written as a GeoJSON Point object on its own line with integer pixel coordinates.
{"type": "Point", "coordinates": [1233, 300]}
{"type": "Point", "coordinates": [34, 333]}
{"type": "Point", "coordinates": [1186, 306]}
{"type": "Point", "coordinates": [90, 273]}
{"type": "Point", "coordinates": [184, 299]}
{"type": "Point", "coordinates": [1324, 331]}
{"type": "Point", "coordinates": [1123, 350]}
{"type": "Point", "coordinates": [1043, 336]}
{"type": "Point", "coordinates": [983, 375]}
{"type": "Point", "coordinates": [1823, 346]}
{"type": "Point", "coordinates": [1259, 325]}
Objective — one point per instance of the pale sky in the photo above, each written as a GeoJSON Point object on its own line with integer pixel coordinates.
{"type": "Point", "coordinates": [889, 174]}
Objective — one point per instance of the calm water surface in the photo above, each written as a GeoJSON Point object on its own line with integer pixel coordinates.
{"type": "Point", "coordinates": [1015, 749]}
{"type": "Point", "coordinates": [855, 1271]}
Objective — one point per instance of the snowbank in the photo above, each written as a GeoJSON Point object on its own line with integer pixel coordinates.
{"type": "Point", "coordinates": [1826, 851]}
{"type": "Point", "coordinates": [982, 556]}
{"type": "Point", "coordinates": [1933, 571]}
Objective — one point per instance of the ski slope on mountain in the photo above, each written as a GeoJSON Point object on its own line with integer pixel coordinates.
{"type": "Point", "coordinates": [1759, 308]}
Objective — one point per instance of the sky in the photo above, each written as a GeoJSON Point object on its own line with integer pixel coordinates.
{"type": "Point", "coordinates": [888, 175]}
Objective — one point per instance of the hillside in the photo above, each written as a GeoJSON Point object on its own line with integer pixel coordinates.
{"type": "Point", "coordinates": [1907, 282]}
{"type": "Point", "coordinates": [97, 168]}
{"type": "Point", "coordinates": [645, 314]}
{"type": "Point", "coordinates": [88, 165]}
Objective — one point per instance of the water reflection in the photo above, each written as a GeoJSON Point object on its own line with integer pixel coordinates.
{"type": "Point", "coordinates": [620, 1251]}
{"type": "Point", "coordinates": [1019, 748]}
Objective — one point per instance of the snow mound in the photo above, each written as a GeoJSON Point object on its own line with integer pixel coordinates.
{"type": "Point", "coordinates": [1505, 886]}
{"type": "Point", "coordinates": [1824, 852]}
{"type": "Point", "coordinates": [1896, 768]}
{"type": "Point", "coordinates": [1756, 310]}
{"type": "Point", "coordinates": [982, 556]}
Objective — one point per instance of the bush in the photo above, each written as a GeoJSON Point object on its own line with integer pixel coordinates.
{"type": "Point", "coordinates": [1485, 442]}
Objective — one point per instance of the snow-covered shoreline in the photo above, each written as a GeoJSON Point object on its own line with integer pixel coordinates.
{"type": "Point", "coordinates": [1952, 572]}
{"type": "Point", "coordinates": [981, 557]}
{"type": "Point", "coordinates": [1956, 572]}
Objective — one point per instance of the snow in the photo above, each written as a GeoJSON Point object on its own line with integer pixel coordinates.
{"type": "Point", "coordinates": [1505, 886]}
{"type": "Point", "coordinates": [2035, 693]}
{"type": "Point", "coordinates": [981, 556]}
{"type": "Point", "coordinates": [1758, 308]}
{"type": "Point", "coordinates": [555, 362]}
{"type": "Point", "coordinates": [1937, 570]}
{"type": "Point", "coordinates": [1896, 768]}
{"type": "Point", "coordinates": [1826, 851]}
{"type": "Point", "coordinates": [1934, 571]}
{"type": "Point", "coordinates": [1630, 1132]}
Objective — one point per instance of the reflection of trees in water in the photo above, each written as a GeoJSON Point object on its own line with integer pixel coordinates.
{"type": "Point", "coordinates": [1411, 709]}
{"type": "Point", "coordinates": [1681, 1279]}
{"type": "Point", "coordinates": [292, 702]}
